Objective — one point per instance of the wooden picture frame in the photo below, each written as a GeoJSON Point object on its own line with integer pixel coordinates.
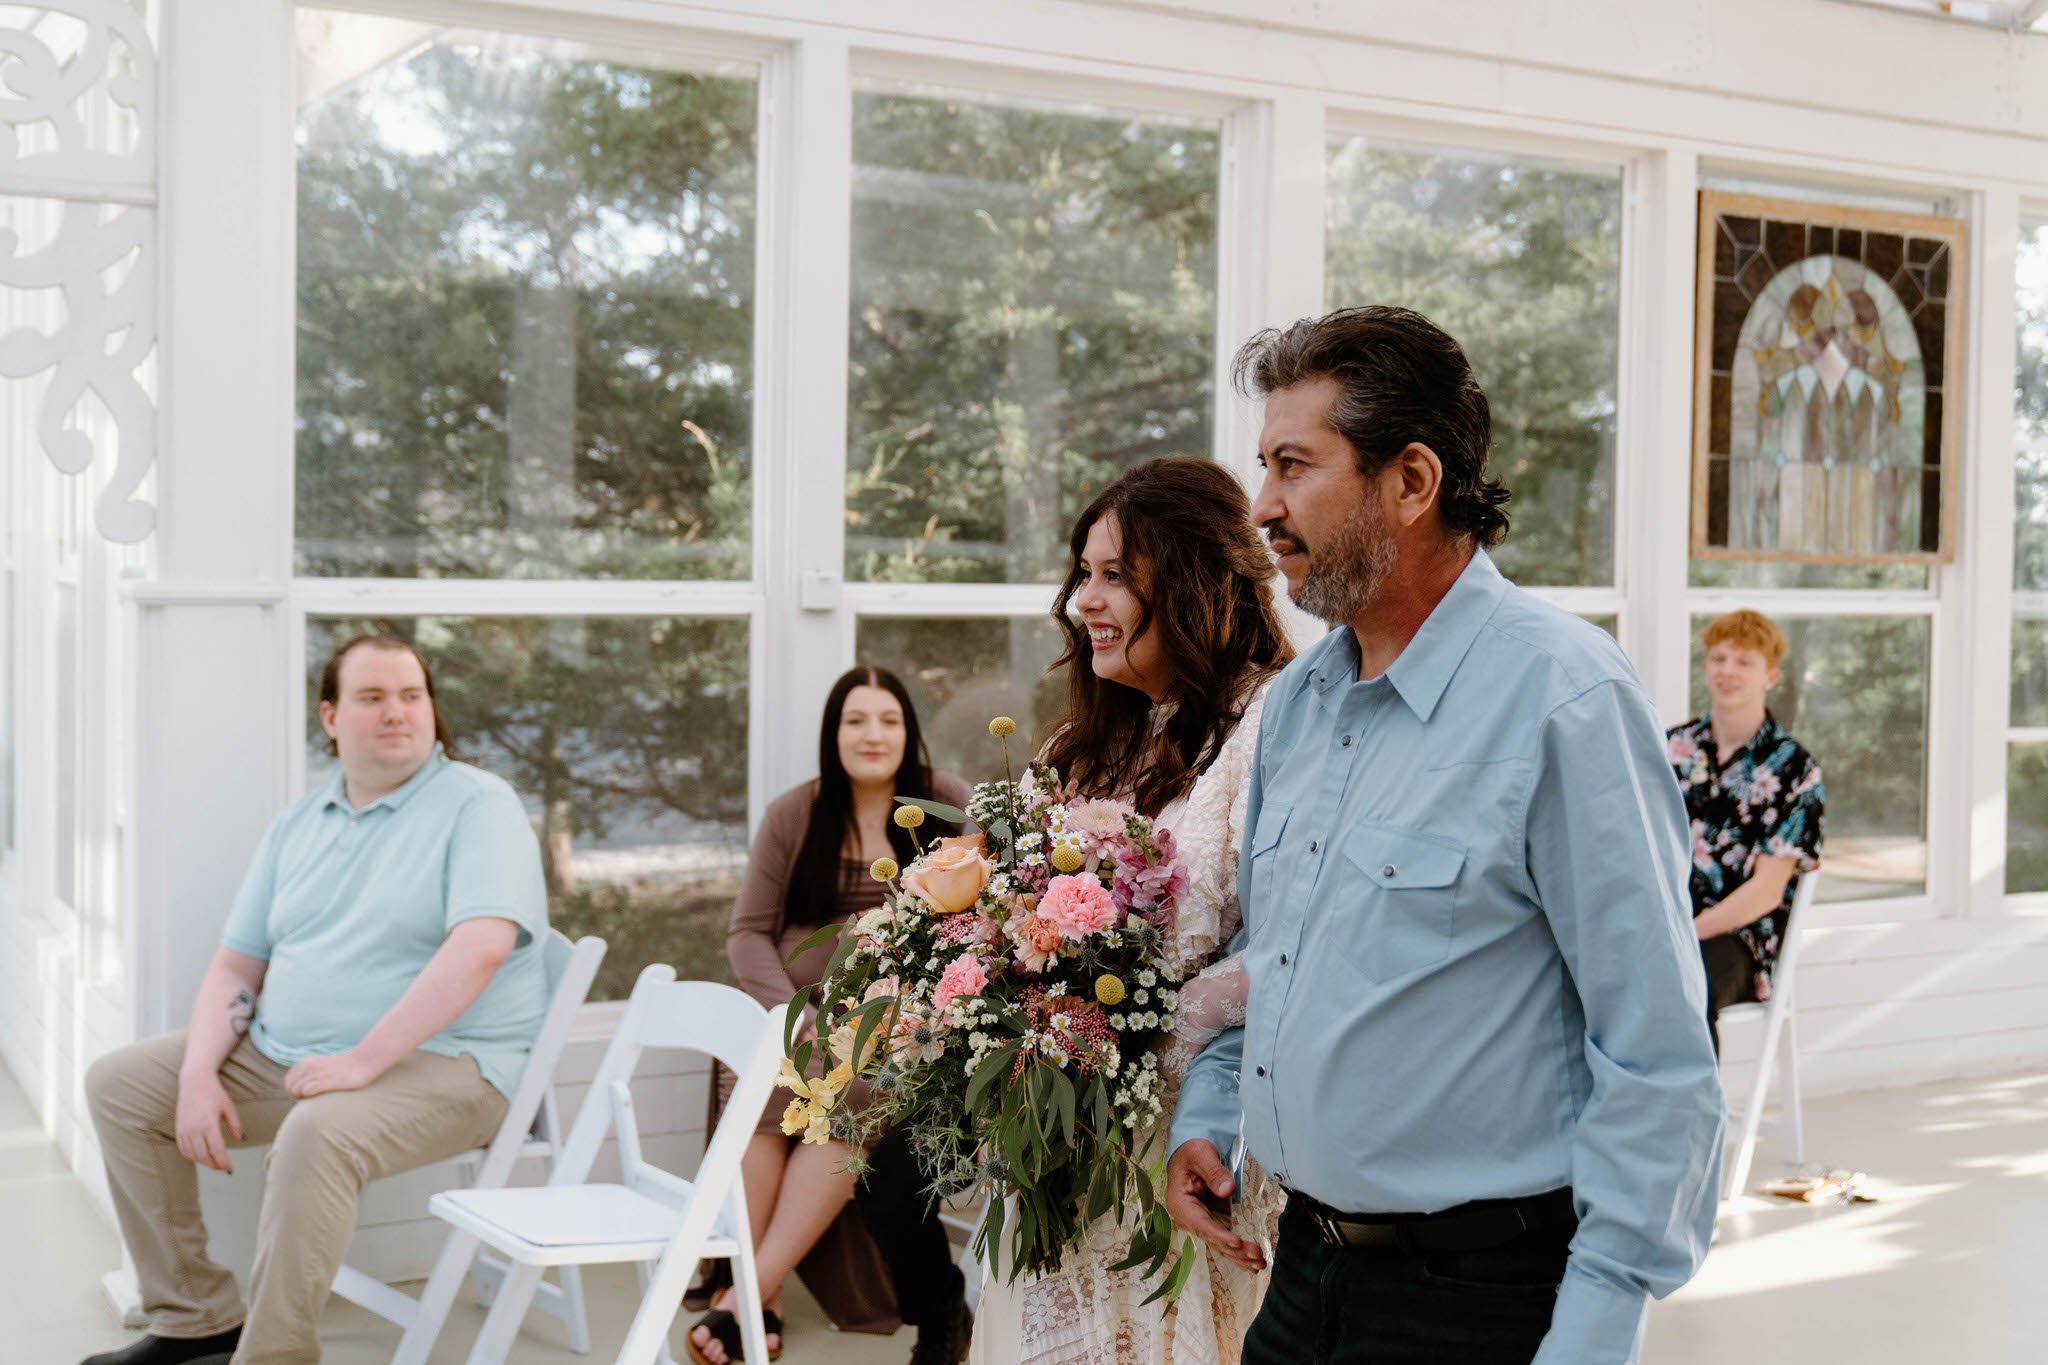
{"type": "Point", "coordinates": [1828, 382]}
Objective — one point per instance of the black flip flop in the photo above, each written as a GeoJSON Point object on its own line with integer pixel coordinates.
{"type": "Point", "coordinates": [725, 1330]}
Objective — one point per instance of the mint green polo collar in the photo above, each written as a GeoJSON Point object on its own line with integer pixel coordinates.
{"type": "Point", "coordinates": [335, 793]}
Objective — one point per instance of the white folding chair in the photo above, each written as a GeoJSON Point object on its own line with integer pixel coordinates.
{"type": "Point", "coordinates": [531, 1129]}
{"type": "Point", "coordinates": [663, 1224]}
{"type": "Point", "coordinates": [1781, 1028]}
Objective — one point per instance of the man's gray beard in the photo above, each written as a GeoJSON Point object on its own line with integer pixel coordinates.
{"type": "Point", "coordinates": [1349, 571]}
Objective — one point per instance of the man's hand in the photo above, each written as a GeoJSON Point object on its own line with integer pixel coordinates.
{"type": "Point", "coordinates": [1197, 1196]}
{"type": "Point", "coordinates": [203, 1107]}
{"type": "Point", "coordinates": [318, 1075]}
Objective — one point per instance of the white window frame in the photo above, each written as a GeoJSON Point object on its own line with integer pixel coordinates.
{"type": "Point", "coordinates": [1085, 88]}
{"type": "Point", "coordinates": [307, 596]}
{"type": "Point", "coordinates": [2030, 605]}
{"type": "Point", "coordinates": [1277, 116]}
{"type": "Point", "coordinates": [1537, 149]}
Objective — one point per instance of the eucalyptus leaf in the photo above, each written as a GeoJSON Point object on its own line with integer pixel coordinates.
{"type": "Point", "coordinates": [950, 814]}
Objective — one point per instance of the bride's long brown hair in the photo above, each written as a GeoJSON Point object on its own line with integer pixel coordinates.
{"type": "Point", "coordinates": [1203, 581]}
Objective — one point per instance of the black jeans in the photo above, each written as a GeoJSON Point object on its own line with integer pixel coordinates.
{"type": "Point", "coordinates": [904, 1221]}
{"type": "Point", "coordinates": [1398, 1306]}
{"type": "Point", "coordinates": [1731, 979]}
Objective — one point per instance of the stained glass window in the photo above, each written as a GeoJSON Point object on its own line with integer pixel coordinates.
{"type": "Point", "coordinates": [1822, 431]}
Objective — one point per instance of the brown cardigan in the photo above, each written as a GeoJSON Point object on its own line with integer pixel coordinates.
{"type": "Point", "coordinates": [844, 1271]}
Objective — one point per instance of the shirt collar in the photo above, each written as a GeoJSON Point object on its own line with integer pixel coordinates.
{"type": "Point", "coordinates": [335, 793]}
{"type": "Point", "coordinates": [1424, 669]}
{"type": "Point", "coordinates": [1764, 740]}
{"type": "Point", "coordinates": [1767, 737]}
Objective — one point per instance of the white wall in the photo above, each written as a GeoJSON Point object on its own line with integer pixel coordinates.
{"type": "Point", "coordinates": [1807, 90]}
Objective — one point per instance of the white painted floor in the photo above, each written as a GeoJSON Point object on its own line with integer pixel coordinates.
{"type": "Point", "coordinates": [1950, 1267]}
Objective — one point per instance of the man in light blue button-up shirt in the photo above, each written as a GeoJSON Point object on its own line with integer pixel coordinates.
{"type": "Point", "coordinates": [1474, 1052]}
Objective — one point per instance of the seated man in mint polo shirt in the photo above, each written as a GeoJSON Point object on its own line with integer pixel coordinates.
{"type": "Point", "coordinates": [376, 991]}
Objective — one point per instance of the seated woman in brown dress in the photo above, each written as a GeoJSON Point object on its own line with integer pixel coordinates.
{"type": "Point", "coordinates": [808, 866]}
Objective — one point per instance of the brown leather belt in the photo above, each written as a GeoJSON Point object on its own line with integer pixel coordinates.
{"type": "Point", "coordinates": [1468, 1227]}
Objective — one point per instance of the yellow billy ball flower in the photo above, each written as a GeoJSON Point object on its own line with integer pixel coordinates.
{"type": "Point", "coordinates": [882, 869]}
{"type": "Point", "coordinates": [909, 817]}
{"type": "Point", "coordinates": [1066, 859]}
{"type": "Point", "coordinates": [1109, 990]}
{"type": "Point", "coordinates": [1002, 727]}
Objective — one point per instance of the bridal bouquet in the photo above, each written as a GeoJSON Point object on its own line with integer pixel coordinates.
{"type": "Point", "coordinates": [1004, 1000]}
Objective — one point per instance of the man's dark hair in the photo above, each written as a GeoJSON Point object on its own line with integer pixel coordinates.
{"type": "Point", "coordinates": [330, 682]}
{"type": "Point", "coordinates": [1401, 380]}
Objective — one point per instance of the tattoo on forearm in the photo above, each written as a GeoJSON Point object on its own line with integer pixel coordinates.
{"type": "Point", "coordinates": [241, 1011]}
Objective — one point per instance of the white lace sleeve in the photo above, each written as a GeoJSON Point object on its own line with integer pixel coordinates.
{"type": "Point", "coordinates": [1208, 829]}
{"type": "Point", "coordinates": [1212, 1002]}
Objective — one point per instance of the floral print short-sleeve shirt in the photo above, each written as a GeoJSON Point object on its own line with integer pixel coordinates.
{"type": "Point", "coordinates": [1765, 802]}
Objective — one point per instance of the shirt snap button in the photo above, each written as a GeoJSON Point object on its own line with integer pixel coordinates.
{"type": "Point", "coordinates": [1346, 741]}
{"type": "Point", "coordinates": [1261, 1071]}
{"type": "Point", "coordinates": [1387, 871]}
{"type": "Point", "coordinates": [1314, 844]}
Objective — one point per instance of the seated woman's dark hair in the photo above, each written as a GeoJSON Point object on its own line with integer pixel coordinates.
{"type": "Point", "coordinates": [814, 880]}
{"type": "Point", "coordinates": [1203, 580]}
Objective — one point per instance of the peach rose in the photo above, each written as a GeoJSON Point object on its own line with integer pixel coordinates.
{"type": "Point", "coordinates": [950, 875]}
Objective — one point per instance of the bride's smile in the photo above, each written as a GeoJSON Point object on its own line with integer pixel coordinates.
{"type": "Point", "coordinates": [1111, 609]}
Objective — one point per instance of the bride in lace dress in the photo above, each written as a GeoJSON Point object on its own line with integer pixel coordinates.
{"type": "Point", "coordinates": [1166, 671]}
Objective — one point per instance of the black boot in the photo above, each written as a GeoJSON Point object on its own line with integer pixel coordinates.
{"type": "Point", "coordinates": [155, 1350]}
{"type": "Point", "coordinates": [944, 1342]}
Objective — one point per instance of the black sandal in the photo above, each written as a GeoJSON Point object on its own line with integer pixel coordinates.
{"type": "Point", "coordinates": [725, 1330]}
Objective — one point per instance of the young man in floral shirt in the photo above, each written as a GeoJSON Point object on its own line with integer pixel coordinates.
{"type": "Point", "coordinates": [1755, 799]}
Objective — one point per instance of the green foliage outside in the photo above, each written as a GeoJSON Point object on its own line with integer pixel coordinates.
{"type": "Point", "coordinates": [1522, 265]}
{"type": "Point", "coordinates": [525, 321]}
{"type": "Point", "coordinates": [1033, 311]}
{"type": "Point", "coordinates": [525, 348]}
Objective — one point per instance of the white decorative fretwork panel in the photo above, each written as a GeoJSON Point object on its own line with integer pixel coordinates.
{"type": "Point", "coordinates": [77, 155]}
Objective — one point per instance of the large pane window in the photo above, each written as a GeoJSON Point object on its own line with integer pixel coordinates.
{"type": "Point", "coordinates": [525, 310]}
{"type": "Point", "coordinates": [525, 339]}
{"type": "Point", "coordinates": [627, 739]}
{"type": "Point", "coordinates": [1033, 310]}
{"type": "Point", "coordinates": [2026, 856]}
{"type": "Point", "coordinates": [1854, 692]}
{"type": "Point", "coordinates": [1520, 262]}
{"type": "Point", "coordinates": [963, 673]}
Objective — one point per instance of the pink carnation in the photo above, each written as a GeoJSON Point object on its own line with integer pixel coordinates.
{"type": "Point", "coordinates": [1078, 906]}
{"type": "Point", "coordinates": [1037, 938]}
{"type": "Point", "coordinates": [963, 976]}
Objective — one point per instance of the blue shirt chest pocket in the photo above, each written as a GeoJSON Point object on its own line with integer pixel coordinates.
{"type": "Point", "coordinates": [1259, 876]}
{"type": "Point", "coordinates": [1392, 902]}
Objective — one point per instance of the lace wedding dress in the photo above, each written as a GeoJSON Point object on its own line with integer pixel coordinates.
{"type": "Point", "coordinates": [1085, 1313]}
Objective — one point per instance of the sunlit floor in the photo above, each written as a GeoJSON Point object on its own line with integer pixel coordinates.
{"type": "Point", "coordinates": [1947, 1267]}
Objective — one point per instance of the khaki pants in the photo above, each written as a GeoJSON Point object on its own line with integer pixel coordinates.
{"type": "Point", "coordinates": [322, 1152]}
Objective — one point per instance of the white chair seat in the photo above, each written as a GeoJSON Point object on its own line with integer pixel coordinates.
{"type": "Point", "coordinates": [563, 1225]}
{"type": "Point", "coordinates": [663, 1224]}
